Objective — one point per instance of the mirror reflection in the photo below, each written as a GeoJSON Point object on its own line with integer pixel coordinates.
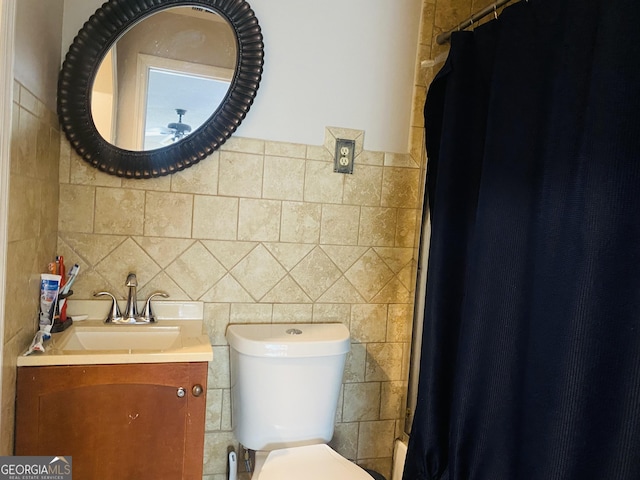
{"type": "Point", "coordinates": [163, 78]}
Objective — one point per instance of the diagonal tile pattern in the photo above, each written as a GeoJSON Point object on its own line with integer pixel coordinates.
{"type": "Point", "coordinates": [258, 272]}
{"type": "Point", "coordinates": [271, 234]}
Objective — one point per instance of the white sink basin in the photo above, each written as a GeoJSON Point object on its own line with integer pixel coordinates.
{"type": "Point", "coordinates": [180, 335]}
{"type": "Point", "coordinates": [125, 337]}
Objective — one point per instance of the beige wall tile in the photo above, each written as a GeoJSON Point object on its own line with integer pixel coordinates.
{"type": "Point", "coordinates": [400, 187]}
{"type": "Point", "coordinates": [157, 184]}
{"type": "Point", "coordinates": [243, 144]}
{"type": "Point", "coordinates": [322, 184]}
{"type": "Point", "coordinates": [361, 402]}
{"type": "Point", "coordinates": [369, 274]}
{"type": "Point", "coordinates": [384, 362]}
{"type": "Point", "coordinates": [288, 254]}
{"type": "Point", "coordinates": [119, 211]}
{"type": "Point", "coordinates": [168, 214]}
{"type": "Point", "coordinates": [24, 208]}
{"type": "Point", "coordinates": [229, 253]}
{"type": "Point", "coordinates": [227, 290]}
{"type": "Point", "coordinates": [258, 272]}
{"type": "Point", "coordinates": [240, 175]}
{"type": "Point", "coordinates": [218, 375]}
{"type": "Point", "coordinates": [283, 178]}
{"type": "Point", "coordinates": [259, 220]}
{"type": "Point", "coordinates": [376, 439]}
{"type": "Point", "coordinates": [339, 224]}
{"type": "Point", "coordinates": [286, 291]}
{"type": "Point", "coordinates": [315, 273]}
{"type": "Point", "coordinates": [163, 250]}
{"type": "Point", "coordinates": [331, 313]}
{"type": "Point", "coordinates": [215, 452]}
{"type": "Point", "coordinates": [213, 413]}
{"type": "Point", "coordinates": [196, 271]}
{"type": "Point", "coordinates": [341, 292]}
{"type": "Point", "coordinates": [392, 396]}
{"type": "Point", "coordinates": [26, 143]}
{"type": "Point", "coordinates": [399, 323]}
{"type": "Point", "coordinates": [406, 231]}
{"type": "Point", "coordinates": [162, 282]}
{"type": "Point", "coordinates": [320, 153]}
{"type": "Point", "coordinates": [364, 187]}
{"type": "Point", "coordinates": [75, 212]}
{"type": "Point", "coordinates": [215, 217]}
{"type": "Point", "coordinates": [345, 440]}
{"type": "Point", "coordinates": [82, 173]}
{"type": "Point", "coordinates": [377, 226]}
{"type": "Point", "coordinates": [343, 256]}
{"type": "Point", "coordinates": [400, 159]}
{"type": "Point", "coordinates": [216, 318]}
{"type": "Point", "coordinates": [200, 178]}
{"type": "Point", "coordinates": [300, 222]}
{"type": "Point", "coordinates": [367, 157]}
{"type": "Point", "coordinates": [368, 323]}
{"type": "Point", "coordinates": [354, 368]}
{"type": "Point", "coordinates": [127, 257]}
{"type": "Point", "coordinates": [250, 313]}
{"type": "Point", "coordinates": [292, 313]}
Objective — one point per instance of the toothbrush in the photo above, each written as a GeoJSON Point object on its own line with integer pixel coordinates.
{"type": "Point", "coordinates": [73, 273]}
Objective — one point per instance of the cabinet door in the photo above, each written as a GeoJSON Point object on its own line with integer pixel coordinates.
{"type": "Point", "coordinates": [115, 421]}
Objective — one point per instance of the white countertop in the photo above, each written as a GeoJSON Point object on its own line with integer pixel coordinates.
{"type": "Point", "coordinates": [192, 344]}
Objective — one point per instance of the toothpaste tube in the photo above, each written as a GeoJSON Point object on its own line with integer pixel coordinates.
{"type": "Point", "coordinates": [37, 344]}
{"type": "Point", "coordinates": [49, 288]}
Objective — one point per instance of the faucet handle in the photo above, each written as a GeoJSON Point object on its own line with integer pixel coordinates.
{"type": "Point", "coordinates": [114, 314]}
{"type": "Point", "coordinates": [147, 314]}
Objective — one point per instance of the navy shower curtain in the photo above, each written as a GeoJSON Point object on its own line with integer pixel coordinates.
{"type": "Point", "coordinates": [530, 366]}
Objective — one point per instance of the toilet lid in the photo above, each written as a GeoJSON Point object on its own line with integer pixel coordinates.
{"type": "Point", "coordinates": [312, 462]}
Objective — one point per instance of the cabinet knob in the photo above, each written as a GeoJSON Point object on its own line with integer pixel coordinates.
{"type": "Point", "coordinates": [197, 390]}
{"type": "Point", "coordinates": [180, 392]}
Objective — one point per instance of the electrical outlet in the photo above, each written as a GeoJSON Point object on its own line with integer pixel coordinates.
{"type": "Point", "coordinates": [343, 161]}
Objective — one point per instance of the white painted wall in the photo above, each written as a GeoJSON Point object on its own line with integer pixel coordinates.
{"type": "Point", "coordinates": [341, 63]}
{"type": "Point", "coordinates": [35, 28]}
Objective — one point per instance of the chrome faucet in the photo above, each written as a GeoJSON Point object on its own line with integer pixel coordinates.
{"type": "Point", "coordinates": [131, 310]}
{"type": "Point", "coordinates": [131, 315]}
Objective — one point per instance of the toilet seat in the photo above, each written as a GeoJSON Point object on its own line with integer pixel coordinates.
{"type": "Point", "coordinates": [311, 462]}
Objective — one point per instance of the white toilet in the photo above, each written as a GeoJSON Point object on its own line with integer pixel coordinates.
{"type": "Point", "coordinates": [285, 383]}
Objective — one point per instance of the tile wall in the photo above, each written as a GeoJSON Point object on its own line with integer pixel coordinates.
{"type": "Point", "coordinates": [33, 222]}
{"type": "Point", "coordinates": [267, 232]}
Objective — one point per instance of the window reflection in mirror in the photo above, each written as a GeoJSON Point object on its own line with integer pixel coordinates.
{"type": "Point", "coordinates": [177, 104]}
{"type": "Point", "coordinates": [180, 59]}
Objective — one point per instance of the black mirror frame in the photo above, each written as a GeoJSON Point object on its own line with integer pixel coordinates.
{"type": "Point", "coordinates": [93, 41]}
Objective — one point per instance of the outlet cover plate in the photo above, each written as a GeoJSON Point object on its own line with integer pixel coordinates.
{"type": "Point", "coordinates": [345, 152]}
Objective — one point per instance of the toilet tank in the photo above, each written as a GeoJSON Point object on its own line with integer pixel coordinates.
{"type": "Point", "coordinates": [285, 382]}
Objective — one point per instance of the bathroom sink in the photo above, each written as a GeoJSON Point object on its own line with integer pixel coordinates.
{"type": "Point", "coordinates": [123, 338]}
{"type": "Point", "coordinates": [180, 335]}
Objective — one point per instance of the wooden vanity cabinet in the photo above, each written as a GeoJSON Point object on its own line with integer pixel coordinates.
{"type": "Point", "coordinates": [129, 421]}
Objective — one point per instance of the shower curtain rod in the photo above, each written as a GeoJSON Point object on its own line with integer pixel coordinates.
{"type": "Point", "coordinates": [446, 36]}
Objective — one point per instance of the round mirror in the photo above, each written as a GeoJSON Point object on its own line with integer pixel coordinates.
{"type": "Point", "coordinates": [150, 87]}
